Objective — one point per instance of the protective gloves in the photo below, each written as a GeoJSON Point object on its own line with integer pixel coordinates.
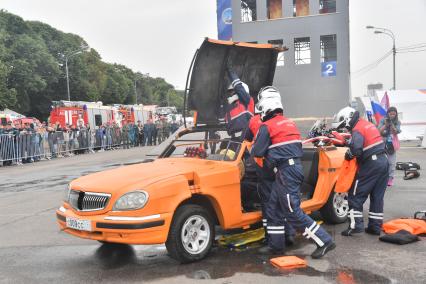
{"type": "Point", "coordinates": [348, 155]}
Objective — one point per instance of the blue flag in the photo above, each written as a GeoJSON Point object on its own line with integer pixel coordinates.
{"type": "Point", "coordinates": [224, 20]}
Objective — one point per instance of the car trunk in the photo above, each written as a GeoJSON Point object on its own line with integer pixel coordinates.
{"type": "Point", "coordinates": [253, 63]}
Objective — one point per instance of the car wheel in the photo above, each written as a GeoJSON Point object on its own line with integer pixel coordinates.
{"type": "Point", "coordinates": [191, 234]}
{"type": "Point", "coordinates": [335, 211]}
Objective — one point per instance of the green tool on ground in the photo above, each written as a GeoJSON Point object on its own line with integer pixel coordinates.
{"type": "Point", "coordinates": [242, 239]}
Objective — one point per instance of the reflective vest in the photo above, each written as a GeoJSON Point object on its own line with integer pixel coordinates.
{"type": "Point", "coordinates": [282, 131]}
{"type": "Point", "coordinates": [370, 133]}
{"type": "Point", "coordinates": [254, 124]}
{"type": "Point", "coordinates": [239, 109]}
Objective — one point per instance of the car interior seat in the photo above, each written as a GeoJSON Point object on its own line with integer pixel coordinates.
{"type": "Point", "coordinates": [310, 161]}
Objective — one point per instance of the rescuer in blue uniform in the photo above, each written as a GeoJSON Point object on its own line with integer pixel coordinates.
{"type": "Point", "coordinates": [266, 178]}
{"type": "Point", "coordinates": [367, 147]}
{"type": "Point", "coordinates": [279, 142]}
{"type": "Point", "coordinates": [239, 107]}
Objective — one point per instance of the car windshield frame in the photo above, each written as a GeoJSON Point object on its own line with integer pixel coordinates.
{"type": "Point", "coordinates": [216, 149]}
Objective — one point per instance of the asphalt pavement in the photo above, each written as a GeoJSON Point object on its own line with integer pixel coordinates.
{"type": "Point", "coordinates": [33, 250]}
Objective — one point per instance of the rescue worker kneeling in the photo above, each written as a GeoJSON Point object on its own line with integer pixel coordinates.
{"type": "Point", "coordinates": [367, 147]}
{"type": "Point", "coordinates": [275, 214]}
{"type": "Point", "coordinates": [279, 142]}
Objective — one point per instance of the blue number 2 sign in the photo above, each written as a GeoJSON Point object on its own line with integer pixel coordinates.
{"type": "Point", "coordinates": [328, 69]}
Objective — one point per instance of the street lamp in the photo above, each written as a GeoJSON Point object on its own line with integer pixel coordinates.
{"type": "Point", "coordinates": [137, 77]}
{"type": "Point", "coordinates": [67, 57]}
{"type": "Point", "coordinates": [389, 33]}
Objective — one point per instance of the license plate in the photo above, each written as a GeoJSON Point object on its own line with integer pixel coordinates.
{"type": "Point", "coordinates": [81, 225]}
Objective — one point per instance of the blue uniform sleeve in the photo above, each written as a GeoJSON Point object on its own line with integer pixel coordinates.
{"type": "Point", "coordinates": [262, 143]}
{"type": "Point", "coordinates": [249, 135]}
{"type": "Point", "coordinates": [357, 144]}
{"type": "Point", "coordinates": [239, 89]}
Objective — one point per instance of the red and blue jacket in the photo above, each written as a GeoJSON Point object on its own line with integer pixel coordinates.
{"type": "Point", "coordinates": [366, 140]}
{"type": "Point", "coordinates": [278, 140]}
{"type": "Point", "coordinates": [239, 112]}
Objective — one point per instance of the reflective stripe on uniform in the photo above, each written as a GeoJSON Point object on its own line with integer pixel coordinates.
{"type": "Point", "coordinates": [235, 82]}
{"type": "Point", "coordinates": [276, 232]}
{"type": "Point", "coordinates": [372, 145]}
{"type": "Point", "coordinates": [310, 233]}
{"type": "Point", "coordinates": [352, 215]}
{"type": "Point", "coordinates": [288, 203]}
{"type": "Point", "coordinates": [284, 143]}
{"type": "Point", "coordinates": [355, 187]}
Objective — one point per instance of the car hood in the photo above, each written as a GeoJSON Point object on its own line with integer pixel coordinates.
{"type": "Point", "coordinates": [144, 174]}
{"type": "Point", "coordinates": [253, 63]}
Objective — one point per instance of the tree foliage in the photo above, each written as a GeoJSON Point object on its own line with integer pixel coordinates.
{"type": "Point", "coordinates": [32, 72]}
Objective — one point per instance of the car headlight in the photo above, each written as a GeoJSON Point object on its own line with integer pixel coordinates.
{"type": "Point", "coordinates": [131, 201]}
{"type": "Point", "coordinates": [67, 193]}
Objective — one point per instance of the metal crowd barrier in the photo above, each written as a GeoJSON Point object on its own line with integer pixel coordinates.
{"type": "Point", "coordinates": [29, 147]}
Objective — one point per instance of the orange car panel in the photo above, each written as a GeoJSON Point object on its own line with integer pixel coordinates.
{"type": "Point", "coordinates": [171, 181]}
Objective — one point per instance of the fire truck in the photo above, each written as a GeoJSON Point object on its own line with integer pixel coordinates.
{"type": "Point", "coordinates": [95, 113]}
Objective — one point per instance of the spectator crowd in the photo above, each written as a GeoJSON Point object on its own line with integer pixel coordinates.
{"type": "Point", "coordinates": [33, 141]}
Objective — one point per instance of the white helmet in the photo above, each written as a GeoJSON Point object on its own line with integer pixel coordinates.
{"type": "Point", "coordinates": [267, 105]}
{"type": "Point", "coordinates": [342, 118]}
{"type": "Point", "coordinates": [268, 92]}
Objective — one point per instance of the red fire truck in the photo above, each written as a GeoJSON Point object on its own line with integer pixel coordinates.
{"type": "Point", "coordinates": [95, 113]}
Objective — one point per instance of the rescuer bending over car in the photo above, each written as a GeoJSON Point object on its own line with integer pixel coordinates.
{"type": "Point", "coordinates": [367, 147]}
{"type": "Point", "coordinates": [279, 142]}
{"type": "Point", "coordinates": [266, 178]}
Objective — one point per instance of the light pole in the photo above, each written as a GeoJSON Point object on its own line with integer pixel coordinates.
{"type": "Point", "coordinates": [389, 33]}
{"type": "Point", "coordinates": [67, 57]}
{"type": "Point", "coordinates": [136, 94]}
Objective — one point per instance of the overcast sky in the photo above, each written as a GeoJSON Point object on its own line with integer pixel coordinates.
{"type": "Point", "coordinates": [160, 37]}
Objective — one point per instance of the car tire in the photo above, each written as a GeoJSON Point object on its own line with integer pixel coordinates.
{"type": "Point", "coordinates": [191, 234]}
{"type": "Point", "coordinates": [335, 211]}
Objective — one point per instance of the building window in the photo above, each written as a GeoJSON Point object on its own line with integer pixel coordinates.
{"type": "Point", "coordinates": [300, 8]}
{"type": "Point", "coordinates": [248, 11]}
{"type": "Point", "coordinates": [278, 43]}
{"type": "Point", "coordinates": [302, 50]}
{"type": "Point", "coordinates": [327, 6]}
{"type": "Point", "coordinates": [328, 48]}
{"type": "Point", "coordinates": [274, 8]}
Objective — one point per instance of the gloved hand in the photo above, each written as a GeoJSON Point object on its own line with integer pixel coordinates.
{"type": "Point", "coordinates": [348, 155]}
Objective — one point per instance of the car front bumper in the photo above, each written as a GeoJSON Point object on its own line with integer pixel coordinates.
{"type": "Point", "coordinates": [151, 229]}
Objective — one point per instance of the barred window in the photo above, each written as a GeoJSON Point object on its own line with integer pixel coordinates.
{"type": "Point", "coordinates": [328, 48]}
{"type": "Point", "coordinates": [302, 50]}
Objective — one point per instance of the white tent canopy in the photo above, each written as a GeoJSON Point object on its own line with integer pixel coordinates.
{"type": "Point", "coordinates": [411, 105]}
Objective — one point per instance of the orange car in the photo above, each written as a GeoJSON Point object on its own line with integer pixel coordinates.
{"type": "Point", "coordinates": [198, 180]}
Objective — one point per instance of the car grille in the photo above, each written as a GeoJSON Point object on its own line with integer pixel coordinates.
{"type": "Point", "coordinates": [88, 201]}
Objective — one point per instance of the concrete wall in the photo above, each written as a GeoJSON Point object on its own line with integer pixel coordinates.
{"type": "Point", "coordinates": [305, 92]}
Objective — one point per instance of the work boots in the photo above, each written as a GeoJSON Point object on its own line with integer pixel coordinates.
{"type": "Point", "coordinates": [321, 251]}
{"type": "Point", "coordinates": [349, 232]}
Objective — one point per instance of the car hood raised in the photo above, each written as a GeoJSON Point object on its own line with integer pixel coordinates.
{"type": "Point", "coordinates": [253, 63]}
{"type": "Point", "coordinates": [143, 174]}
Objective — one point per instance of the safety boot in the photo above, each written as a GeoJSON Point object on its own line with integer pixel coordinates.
{"type": "Point", "coordinates": [349, 232]}
{"type": "Point", "coordinates": [289, 241]}
{"type": "Point", "coordinates": [372, 231]}
{"type": "Point", "coordinates": [321, 251]}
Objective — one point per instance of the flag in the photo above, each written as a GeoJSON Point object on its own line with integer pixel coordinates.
{"type": "Point", "coordinates": [378, 111]}
{"type": "Point", "coordinates": [385, 101]}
